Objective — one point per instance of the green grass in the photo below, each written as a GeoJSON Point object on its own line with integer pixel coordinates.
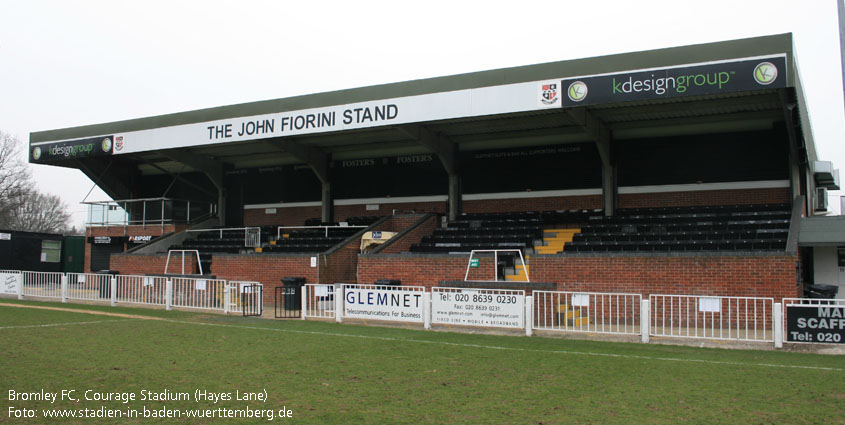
{"type": "Point", "coordinates": [344, 374]}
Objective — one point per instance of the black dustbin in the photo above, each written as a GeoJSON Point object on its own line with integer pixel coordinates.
{"type": "Point", "coordinates": [821, 291]}
{"type": "Point", "coordinates": [293, 294]}
{"type": "Point", "coordinates": [388, 282]}
{"type": "Point", "coordinates": [105, 284]}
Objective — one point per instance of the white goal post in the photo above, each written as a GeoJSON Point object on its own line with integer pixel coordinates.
{"type": "Point", "coordinates": [183, 251]}
{"type": "Point", "coordinates": [495, 263]}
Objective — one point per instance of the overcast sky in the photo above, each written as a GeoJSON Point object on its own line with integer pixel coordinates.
{"type": "Point", "coordinates": [72, 63]}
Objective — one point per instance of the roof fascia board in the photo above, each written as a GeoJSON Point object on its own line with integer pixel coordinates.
{"type": "Point", "coordinates": [667, 57]}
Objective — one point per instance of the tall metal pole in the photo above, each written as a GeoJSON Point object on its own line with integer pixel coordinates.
{"type": "Point", "coordinates": [840, 4]}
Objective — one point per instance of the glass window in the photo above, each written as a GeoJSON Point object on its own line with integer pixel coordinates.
{"type": "Point", "coordinates": [51, 251]}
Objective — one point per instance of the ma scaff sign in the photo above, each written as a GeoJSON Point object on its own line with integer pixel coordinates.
{"type": "Point", "coordinates": [824, 324]}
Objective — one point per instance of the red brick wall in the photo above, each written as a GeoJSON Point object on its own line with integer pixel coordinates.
{"type": "Point", "coordinates": [420, 271]}
{"type": "Point", "coordinates": [154, 231]}
{"type": "Point", "coordinates": [341, 266]}
{"type": "Point", "coordinates": [296, 216]}
{"type": "Point", "coordinates": [533, 204]}
{"type": "Point", "coordinates": [764, 276]}
{"type": "Point", "coordinates": [290, 216]}
{"type": "Point", "coordinates": [266, 269]}
{"type": "Point", "coordinates": [705, 197]}
{"type": "Point", "coordinates": [142, 264]}
{"type": "Point", "coordinates": [338, 267]}
{"type": "Point", "coordinates": [412, 237]}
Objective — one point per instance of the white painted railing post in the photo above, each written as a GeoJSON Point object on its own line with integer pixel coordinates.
{"type": "Point", "coordinates": [226, 296]}
{"type": "Point", "coordinates": [529, 315]}
{"type": "Point", "coordinates": [339, 294]}
{"type": "Point", "coordinates": [645, 320]}
{"type": "Point", "coordinates": [777, 325]}
{"type": "Point", "coordinates": [64, 287]}
{"type": "Point", "coordinates": [303, 302]}
{"type": "Point", "coordinates": [20, 286]}
{"type": "Point", "coordinates": [168, 294]}
{"type": "Point", "coordinates": [427, 310]}
{"type": "Point", "coordinates": [113, 292]}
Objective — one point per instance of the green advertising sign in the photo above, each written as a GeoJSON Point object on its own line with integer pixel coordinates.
{"type": "Point", "coordinates": [473, 263]}
{"type": "Point", "coordinates": [47, 152]}
{"type": "Point", "coordinates": [687, 80]}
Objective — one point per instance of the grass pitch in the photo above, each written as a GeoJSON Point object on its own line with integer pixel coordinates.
{"type": "Point", "coordinates": [343, 374]}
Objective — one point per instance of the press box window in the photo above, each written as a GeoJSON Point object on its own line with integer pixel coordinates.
{"type": "Point", "coordinates": [51, 251]}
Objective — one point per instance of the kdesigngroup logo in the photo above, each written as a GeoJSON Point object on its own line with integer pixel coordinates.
{"type": "Point", "coordinates": [106, 144]}
{"type": "Point", "coordinates": [577, 91]}
{"type": "Point", "coordinates": [36, 153]}
{"type": "Point", "coordinates": [765, 73]}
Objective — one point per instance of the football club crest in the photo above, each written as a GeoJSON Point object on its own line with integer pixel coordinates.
{"type": "Point", "coordinates": [549, 94]}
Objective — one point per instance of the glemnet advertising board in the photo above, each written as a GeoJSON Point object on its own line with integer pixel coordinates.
{"type": "Point", "coordinates": [403, 304]}
{"type": "Point", "coordinates": [478, 307]}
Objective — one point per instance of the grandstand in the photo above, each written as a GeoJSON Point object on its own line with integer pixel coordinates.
{"type": "Point", "coordinates": [680, 170]}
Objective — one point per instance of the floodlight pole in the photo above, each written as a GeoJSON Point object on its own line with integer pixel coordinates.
{"type": "Point", "coordinates": [840, 6]}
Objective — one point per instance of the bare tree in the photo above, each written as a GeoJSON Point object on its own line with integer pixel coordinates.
{"type": "Point", "coordinates": [14, 178]}
{"type": "Point", "coordinates": [21, 206]}
{"type": "Point", "coordinates": [41, 213]}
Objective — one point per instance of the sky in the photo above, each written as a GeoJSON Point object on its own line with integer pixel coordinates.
{"type": "Point", "coordinates": [72, 63]}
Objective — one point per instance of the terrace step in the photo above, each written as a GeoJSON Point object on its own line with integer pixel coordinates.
{"type": "Point", "coordinates": [555, 239]}
{"type": "Point", "coordinates": [521, 274]}
{"type": "Point", "coordinates": [572, 317]}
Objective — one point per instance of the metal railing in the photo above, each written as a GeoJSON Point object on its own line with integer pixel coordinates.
{"type": "Point", "coordinates": [712, 317]}
{"type": "Point", "coordinates": [150, 290]}
{"type": "Point", "coordinates": [147, 212]}
{"type": "Point", "coordinates": [42, 284]}
{"type": "Point", "coordinates": [318, 301]}
{"type": "Point", "coordinates": [252, 235]}
{"type": "Point", "coordinates": [205, 294]}
{"type": "Point", "coordinates": [88, 286]}
{"type": "Point", "coordinates": [245, 297]}
{"type": "Point", "coordinates": [755, 319]}
{"type": "Point", "coordinates": [191, 293]}
{"type": "Point", "coordinates": [279, 229]}
{"type": "Point", "coordinates": [594, 312]}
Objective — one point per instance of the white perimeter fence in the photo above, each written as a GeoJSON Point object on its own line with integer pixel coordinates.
{"type": "Point", "coordinates": [752, 319]}
{"type": "Point", "coordinates": [168, 292]}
